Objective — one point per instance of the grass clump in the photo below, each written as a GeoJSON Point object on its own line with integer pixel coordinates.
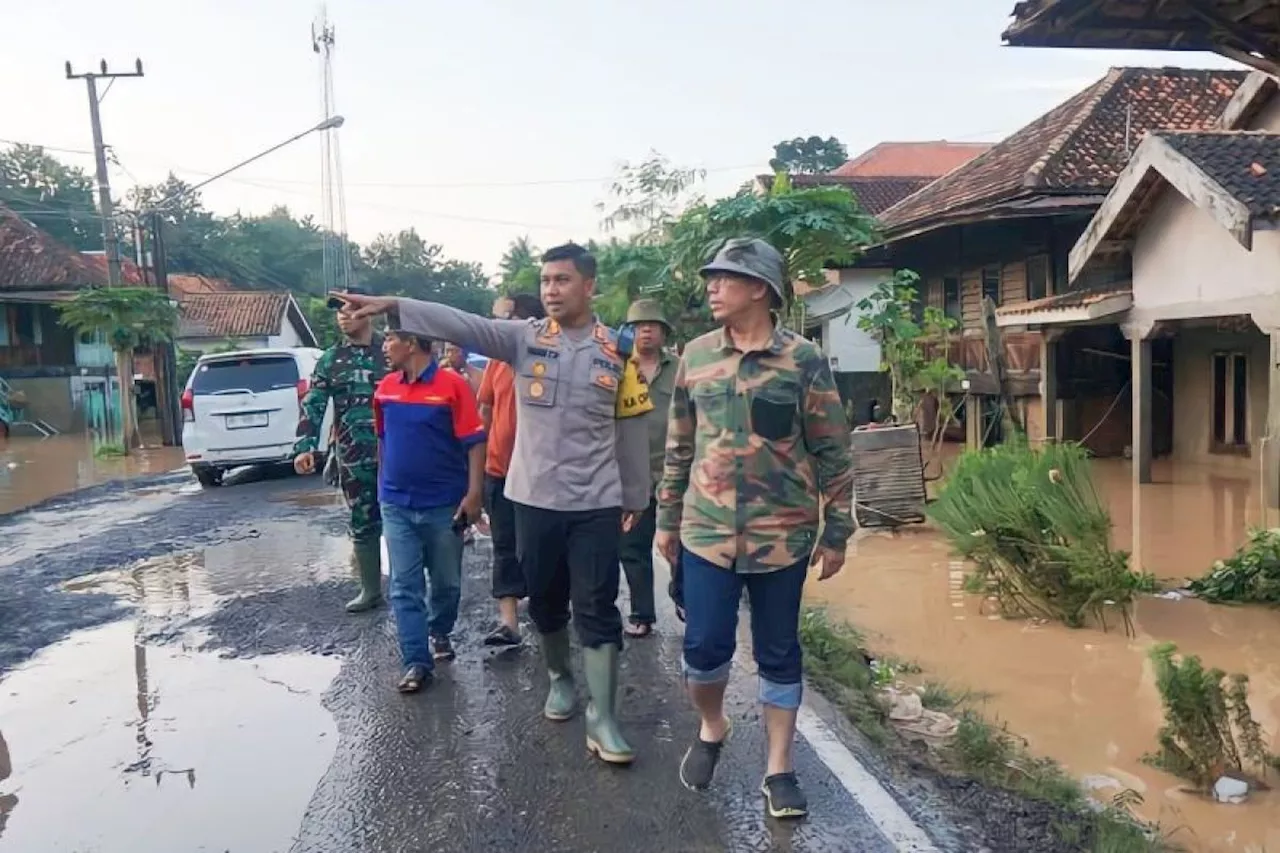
{"type": "Point", "coordinates": [1250, 576]}
{"type": "Point", "coordinates": [1209, 729]}
{"type": "Point", "coordinates": [1038, 534]}
{"type": "Point", "coordinates": [837, 664]}
{"type": "Point", "coordinates": [109, 451]}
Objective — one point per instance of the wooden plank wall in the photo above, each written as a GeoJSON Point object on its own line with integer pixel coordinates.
{"type": "Point", "coordinates": [1013, 283]}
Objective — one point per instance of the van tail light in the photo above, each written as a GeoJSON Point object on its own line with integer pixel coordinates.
{"type": "Point", "coordinates": [304, 385]}
{"type": "Point", "coordinates": [188, 406]}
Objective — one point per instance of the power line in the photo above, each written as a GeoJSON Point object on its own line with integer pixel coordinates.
{"type": "Point", "coordinates": [460, 185]}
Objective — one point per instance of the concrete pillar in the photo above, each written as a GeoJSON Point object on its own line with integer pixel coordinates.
{"type": "Point", "coordinates": [1271, 453]}
{"type": "Point", "coordinates": [1139, 335]}
{"type": "Point", "coordinates": [973, 421]}
{"type": "Point", "coordinates": [1049, 382]}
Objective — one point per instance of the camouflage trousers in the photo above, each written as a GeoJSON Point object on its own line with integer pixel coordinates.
{"type": "Point", "coordinates": [359, 484]}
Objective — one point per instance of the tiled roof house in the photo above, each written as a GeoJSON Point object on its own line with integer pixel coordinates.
{"type": "Point", "coordinates": [1071, 155]}
{"type": "Point", "coordinates": [255, 318]}
{"type": "Point", "coordinates": [1000, 228]}
{"type": "Point", "coordinates": [890, 171]}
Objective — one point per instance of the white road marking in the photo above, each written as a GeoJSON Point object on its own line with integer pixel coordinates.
{"type": "Point", "coordinates": [889, 817]}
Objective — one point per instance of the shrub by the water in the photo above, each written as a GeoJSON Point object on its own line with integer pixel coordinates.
{"type": "Point", "coordinates": [1208, 727]}
{"type": "Point", "coordinates": [1250, 576]}
{"type": "Point", "coordinates": [1038, 533]}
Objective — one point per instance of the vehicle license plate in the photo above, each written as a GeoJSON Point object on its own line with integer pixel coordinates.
{"type": "Point", "coordinates": [253, 419]}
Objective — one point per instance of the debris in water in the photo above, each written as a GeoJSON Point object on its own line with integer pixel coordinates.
{"type": "Point", "coordinates": [1228, 789]}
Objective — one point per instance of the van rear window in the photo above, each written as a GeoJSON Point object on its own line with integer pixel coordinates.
{"type": "Point", "coordinates": [253, 373]}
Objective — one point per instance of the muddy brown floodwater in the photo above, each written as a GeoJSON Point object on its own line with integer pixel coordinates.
{"type": "Point", "coordinates": [33, 470]}
{"type": "Point", "coordinates": [1084, 697]}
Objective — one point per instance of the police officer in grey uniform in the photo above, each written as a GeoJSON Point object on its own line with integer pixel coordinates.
{"type": "Point", "coordinates": [579, 472]}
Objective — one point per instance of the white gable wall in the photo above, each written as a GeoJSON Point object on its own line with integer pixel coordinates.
{"type": "Point", "coordinates": [288, 336]}
{"type": "Point", "coordinates": [1269, 117]}
{"type": "Point", "coordinates": [1187, 265]}
{"type": "Point", "coordinates": [849, 349]}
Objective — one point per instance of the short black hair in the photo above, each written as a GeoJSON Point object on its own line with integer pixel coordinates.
{"type": "Point", "coordinates": [424, 343]}
{"type": "Point", "coordinates": [583, 261]}
{"type": "Point", "coordinates": [526, 306]}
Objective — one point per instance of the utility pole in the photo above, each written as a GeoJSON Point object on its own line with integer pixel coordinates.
{"type": "Point", "coordinates": [111, 243]}
{"type": "Point", "coordinates": [168, 395]}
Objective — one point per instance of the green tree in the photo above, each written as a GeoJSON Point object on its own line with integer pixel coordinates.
{"type": "Point", "coordinates": [648, 196]}
{"type": "Point", "coordinates": [812, 156]}
{"type": "Point", "coordinates": [192, 235]}
{"type": "Point", "coordinates": [915, 353]}
{"type": "Point", "coordinates": [129, 317]}
{"type": "Point", "coordinates": [55, 196]}
{"type": "Point", "coordinates": [814, 228]}
{"type": "Point", "coordinates": [626, 270]}
{"type": "Point", "coordinates": [405, 264]}
{"type": "Point", "coordinates": [519, 269]}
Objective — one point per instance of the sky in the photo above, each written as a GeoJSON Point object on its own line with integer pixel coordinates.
{"type": "Point", "coordinates": [483, 121]}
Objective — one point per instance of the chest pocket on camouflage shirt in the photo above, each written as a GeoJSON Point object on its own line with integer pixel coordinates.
{"type": "Point", "coordinates": [775, 409]}
{"type": "Point", "coordinates": [538, 381]}
{"type": "Point", "coordinates": [711, 401]}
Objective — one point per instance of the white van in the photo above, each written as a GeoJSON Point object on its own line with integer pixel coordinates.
{"type": "Point", "coordinates": [242, 408]}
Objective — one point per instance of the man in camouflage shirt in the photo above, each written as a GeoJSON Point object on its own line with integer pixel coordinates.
{"type": "Point", "coordinates": [757, 445]}
{"type": "Point", "coordinates": [347, 374]}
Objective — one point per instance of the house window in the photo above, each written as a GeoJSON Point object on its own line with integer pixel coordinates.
{"type": "Point", "coordinates": [4, 326]}
{"type": "Point", "coordinates": [24, 325]}
{"type": "Point", "coordinates": [951, 304]}
{"type": "Point", "coordinates": [1038, 277]}
{"type": "Point", "coordinates": [991, 284]}
{"type": "Point", "coordinates": [1230, 402]}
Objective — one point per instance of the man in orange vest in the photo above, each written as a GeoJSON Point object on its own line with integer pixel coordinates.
{"type": "Point", "coordinates": [498, 408]}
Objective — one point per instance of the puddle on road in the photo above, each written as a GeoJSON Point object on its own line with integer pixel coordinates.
{"type": "Point", "coordinates": [1086, 698]}
{"type": "Point", "coordinates": [252, 560]}
{"type": "Point", "coordinates": [328, 497]}
{"type": "Point", "coordinates": [33, 470]}
{"type": "Point", "coordinates": [153, 749]}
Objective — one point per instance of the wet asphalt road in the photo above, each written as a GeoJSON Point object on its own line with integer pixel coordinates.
{"type": "Point", "coordinates": [469, 765]}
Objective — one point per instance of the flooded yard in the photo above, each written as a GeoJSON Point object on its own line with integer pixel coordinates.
{"type": "Point", "coordinates": [33, 470]}
{"type": "Point", "coordinates": [1084, 697]}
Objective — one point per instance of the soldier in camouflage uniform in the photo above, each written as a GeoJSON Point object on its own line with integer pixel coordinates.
{"type": "Point", "coordinates": [757, 446]}
{"type": "Point", "coordinates": [347, 374]}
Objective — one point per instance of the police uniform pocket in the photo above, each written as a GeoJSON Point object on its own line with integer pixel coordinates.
{"type": "Point", "coordinates": [537, 383]}
{"type": "Point", "coordinates": [602, 396]}
{"type": "Point", "coordinates": [774, 411]}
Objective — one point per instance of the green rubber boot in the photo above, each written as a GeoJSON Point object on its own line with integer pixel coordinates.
{"type": "Point", "coordinates": [604, 739]}
{"type": "Point", "coordinates": [368, 560]}
{"type": "Point", "coordinates": [561, 696]}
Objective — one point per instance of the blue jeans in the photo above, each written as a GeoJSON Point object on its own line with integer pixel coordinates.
{"type": "Point", "coordinates": [418, 540]}
{"type": "Point", "coordinates": [711, 599]}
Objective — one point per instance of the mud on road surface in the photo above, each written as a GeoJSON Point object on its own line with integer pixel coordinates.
{"type": "Point", "coordinates": [177, 673]}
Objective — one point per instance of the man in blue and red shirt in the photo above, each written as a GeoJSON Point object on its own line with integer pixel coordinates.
{"type": "Point", "coordinates": [431, 444]}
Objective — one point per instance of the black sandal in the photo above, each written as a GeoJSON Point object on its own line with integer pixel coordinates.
{"type": "Point", "coordinates": [414, 679]}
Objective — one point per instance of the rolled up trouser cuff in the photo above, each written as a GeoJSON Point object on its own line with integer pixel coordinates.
{"type": "Point", "coordinates": [784, 696]}
{"type": "Point", "coordinates": [719, 675]}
